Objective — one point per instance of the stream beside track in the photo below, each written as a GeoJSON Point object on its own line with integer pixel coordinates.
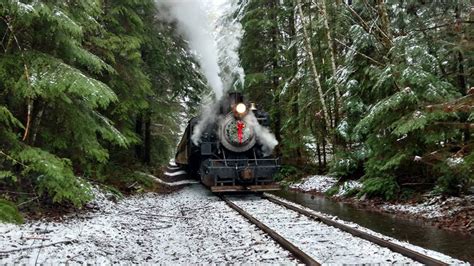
{"type": "Point", "coordinates": [415, 232]}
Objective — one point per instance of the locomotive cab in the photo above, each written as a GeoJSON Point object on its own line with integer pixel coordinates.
{"type": "Point", "coordinates": [229, 155]}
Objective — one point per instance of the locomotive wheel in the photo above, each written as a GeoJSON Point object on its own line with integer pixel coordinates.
{"type": "Point", "coordinates": [207, 180]}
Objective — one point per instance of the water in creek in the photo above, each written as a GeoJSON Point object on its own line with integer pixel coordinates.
{"type": "Point", "coordinates": [454, 244]}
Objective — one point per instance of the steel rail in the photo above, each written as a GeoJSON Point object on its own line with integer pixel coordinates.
{"type": "Point", "coordinates": [422, 258]}
{"type": "Point", "coordinates": [298, 253]}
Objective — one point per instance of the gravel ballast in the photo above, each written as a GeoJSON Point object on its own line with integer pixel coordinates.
{"type": "Point", "coordinates": [188, 226]}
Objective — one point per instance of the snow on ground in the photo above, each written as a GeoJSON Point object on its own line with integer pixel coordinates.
{"type": "Point", "coordinates": [327, 244]}
{"type": "Point", "coordinates": [188, 226]}
{"type": "Point", "coordinates": [322, 183]}
{"type": "Point", "coordinates": [171, 184]}
{"type": "Point", "coordinates": [431, 253]}
{"type": "Point", "coordinates": [431, 208]}
{"type": "Point", "coordinates": [348, 186]}
{"type": "Point", "coordinates": [319, 183]}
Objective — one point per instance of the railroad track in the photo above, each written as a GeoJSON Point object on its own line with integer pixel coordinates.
{"type": "Point", "coordinates": [315, 239]}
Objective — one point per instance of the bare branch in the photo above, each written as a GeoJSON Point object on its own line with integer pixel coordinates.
{"type": "Point", "coordinates": [35, 247]}
{"type": "Point", "coordinates": [364, 55]}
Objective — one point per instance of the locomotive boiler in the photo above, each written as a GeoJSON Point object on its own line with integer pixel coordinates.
{"type": "Point", "coordinates": [228, 153]}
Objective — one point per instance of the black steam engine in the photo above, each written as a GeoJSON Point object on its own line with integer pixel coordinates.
{"type": "Point", "coordinates": [228, 154]}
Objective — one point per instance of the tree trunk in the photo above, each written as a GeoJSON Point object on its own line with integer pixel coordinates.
{"type": "Point", "coordinates": [318, 149]}
{"type": "Point", "coordinates": [313, 66]}
{"type": "Point", "coordinates": [330, 44]}
{"type": "Point", "coordinates": [147, 154]}
{"type": "Point", "coordinates": [324, 152]}
{"type": "Point", "coordinates": [275, 79]}
{"type": "Point", "coordinates": [385, 23]}
{"type": "Point", "coordinates": [37, 123]}
{"type": "Point", "coordinates": [139, 132]}
{"type": "Point", "coordinates": [296, 90]}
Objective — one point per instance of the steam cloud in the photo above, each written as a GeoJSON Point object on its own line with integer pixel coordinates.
{"type": "Point", "coordinates": [194, 25]}
{"type": "Point", "coordinates": [208, 116]}
{"type": "Point", "coordinates": [264, 136]}
{"type": "Point", "coordinates": [230, 33]}
{"type": "Point", "coordinates": [218, 57]}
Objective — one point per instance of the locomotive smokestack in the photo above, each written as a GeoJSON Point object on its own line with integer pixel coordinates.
{"type": "Point", "coordinates": [235, 98]}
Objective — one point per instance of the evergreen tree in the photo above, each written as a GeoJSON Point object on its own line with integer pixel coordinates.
{"type": "Point", "coordinates": [47, 82]}
{"type": "Point", "coordinates": [391, 75]}
{"type": "Point", "coordinates": [75, 79]}
{"type": "Point", "coordinates": [394, 77]}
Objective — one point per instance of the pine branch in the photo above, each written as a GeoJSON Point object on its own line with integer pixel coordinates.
{"type": "Point", "coordinates": [366, 26]}
{"type": "Point", "coordinates": [444, 25]}
{"type": "Point", "coordinates": [463, 104]}
{"type": "Point", "coordinates": [27, 76]}
{"type": "Point", "coordinates": [364, 55]}
{"type": "Point", "coordinates": [456, 124]}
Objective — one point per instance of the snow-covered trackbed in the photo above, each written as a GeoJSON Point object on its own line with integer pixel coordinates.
{"type": "Point", "coordinates": [309, 237]}
{"type": "Point", "coordinates": [190, 226]}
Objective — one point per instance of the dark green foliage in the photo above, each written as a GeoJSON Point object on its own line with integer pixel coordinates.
{"type": "Point", "coordinates": [352, 192]}
{"type": "Point", "coordinates": [454, 177]}
{"type": "Point", "coordinates": [53, 176]}
{"type": "Point", "coordinates": [385, 187]}
{"type": "Point", "coordinates": [273, 78]}
{"type": "Point", "coordinates": [332, 191]}
{"type": "Point", "coordinates": [348, 164]}
{"type": "Point", "coordinates": [125, 179]}
{"type": "Point", "coordinates": [403, 86]}
{"type": "Point", "coordinates": [9, 213]}
{"type": "Point", "coordinates": [407, 194]}
{"type": "Point", "coordinates": [402, 136]}
{"type": "Point", "coordinates": [287, 171]}
{"type": "Point", "coordinates": [74, 79]}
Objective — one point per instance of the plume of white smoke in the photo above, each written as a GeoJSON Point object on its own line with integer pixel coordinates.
{"type": "Point", "coordinates": [225, 20]}
{"type": "Point", "coordinates": [208, 117]}
{"type": "Point", "coordinates": [195, 26]}
{"type": "Point", "coordinates": [213, 31]}
{"type": "Point", "coordinates": [229, 34]}
{"type": "Point", "coordinates": [264, 136]}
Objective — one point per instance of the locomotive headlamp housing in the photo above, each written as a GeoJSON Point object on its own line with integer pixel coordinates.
{"type": "Point", "coordinates": [241, 108]}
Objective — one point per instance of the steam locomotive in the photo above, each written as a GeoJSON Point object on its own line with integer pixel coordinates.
{"type": "Point", "coordinates": [227, 153]}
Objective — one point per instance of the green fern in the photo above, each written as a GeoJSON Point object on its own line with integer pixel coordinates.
{"type": "Point", "coordinates": [7, 118]}
{"type": "Point", "coordinates": [385, 187]}
{"type": "Point", "coordinates": [53, 176]}
{"type": "Point", "coordinates": [51, 78]}
{"type": "Point", "coordinates": [9, 213]}
{"type": "Point", "coordinates": [377, 114]}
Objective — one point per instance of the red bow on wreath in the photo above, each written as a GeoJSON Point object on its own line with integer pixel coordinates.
{"type": "Point", "coordinates": [240, 130]}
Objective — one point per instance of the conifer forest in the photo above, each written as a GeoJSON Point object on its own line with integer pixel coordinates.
{"type": "Point", "coordinates": [94, 93]}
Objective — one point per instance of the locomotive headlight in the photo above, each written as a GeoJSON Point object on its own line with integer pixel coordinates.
{"type": "Point", "coordinates": [241, 108]}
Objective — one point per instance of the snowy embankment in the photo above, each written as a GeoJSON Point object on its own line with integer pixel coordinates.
{"type": "Point", "coordinates": [430, 208]}
{"type": "Point", "coordinates": [363, 246]}
{"type": "Point", "coordinates": [435, 207]}
{"type": "Point", "coordinates": [322, 183]}
{"type": "Point", "coordinates": [188, 226]}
